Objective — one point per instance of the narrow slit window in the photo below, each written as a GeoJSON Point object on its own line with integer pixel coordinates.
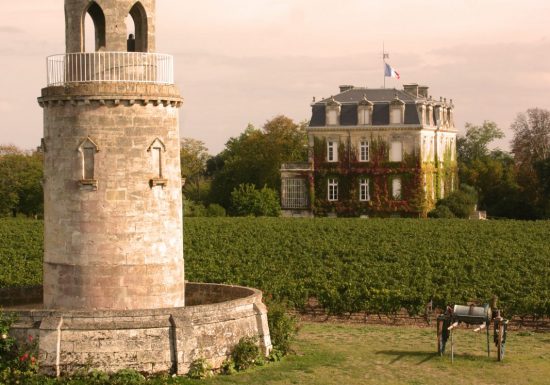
{"type": "Point", "coordinates": [89, 163]}
{"type": "Point", "coordinates": [156, 153]}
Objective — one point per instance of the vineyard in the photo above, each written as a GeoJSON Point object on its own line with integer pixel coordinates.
{"type": "Point", "coordinates": [349, 265]}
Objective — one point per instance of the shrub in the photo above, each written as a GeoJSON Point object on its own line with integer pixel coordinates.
{"type": "Point", "coordinates": [246, 200]}
{"type": "Point", "coordinates": [193, 209]}
{"type": "Point", "coordinates": [127, 377]}
{"type": "Point", "coordinates": [282, 328]}
{"type": "Point", "coordinates": [441, 212]}
{"type": "Point", "coordinates": [228, 367]}
{"type": "Point", "coordinates": [461, 202]}
{"type": "Point", "coordinates": [200, 369]}
{"type": "Point", "coordinates": [215, 210]}
{"type": "Point", "coordinates": [246, 353]}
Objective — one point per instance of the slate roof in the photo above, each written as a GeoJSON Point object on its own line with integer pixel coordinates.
{"type": "Point", "coordinates": [380, 97]}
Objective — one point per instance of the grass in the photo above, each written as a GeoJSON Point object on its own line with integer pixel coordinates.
{"type": "Point", "coordinates": [347, 354]}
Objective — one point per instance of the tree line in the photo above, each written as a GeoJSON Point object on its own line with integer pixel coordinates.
{"type": "Point", "coordinates": [244, 178]}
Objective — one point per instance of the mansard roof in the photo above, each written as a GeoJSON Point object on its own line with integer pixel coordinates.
{"type": "Point", "coordinates": [380, 98]}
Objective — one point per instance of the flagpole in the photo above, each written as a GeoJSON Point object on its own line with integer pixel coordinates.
{"type": "Point", "coordinates": [384, 63]}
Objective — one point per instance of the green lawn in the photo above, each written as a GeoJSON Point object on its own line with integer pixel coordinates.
{"type": "Point", "coordinates": [348, 355]}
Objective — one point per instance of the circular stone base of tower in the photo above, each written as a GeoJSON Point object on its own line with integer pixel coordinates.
{"type": "Point", "coordinates": [149, 341]}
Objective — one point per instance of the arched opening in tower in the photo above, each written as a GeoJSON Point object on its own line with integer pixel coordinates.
{"type": "Point", "coordinates": [137, 27]}
{"type": "Point", "coordinates": [94, 28]}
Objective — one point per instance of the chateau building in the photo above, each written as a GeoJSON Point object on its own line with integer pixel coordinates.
{"type": "Point", "coordinates": [374, 152]}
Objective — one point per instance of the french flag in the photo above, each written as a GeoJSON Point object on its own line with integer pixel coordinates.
{"type": "Point", "coordinates": [390, 72]}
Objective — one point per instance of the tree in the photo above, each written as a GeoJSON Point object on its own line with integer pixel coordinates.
{"type": "Point", "coordinates": [255, 157]}
{"type": "Point", "coordinates": [531, 149]}
{"type": "Point", "coordinates": [246, 200]}
{"type": "Point", "coordinates": [193, 157]}
{"type": "Point", "coordinates": [20, 182]}
{"type": "Point", "coordinates": [475, 144]}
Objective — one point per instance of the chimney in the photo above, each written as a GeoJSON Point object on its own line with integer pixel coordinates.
{"type": "Point", "coordinates": [345, 88]}
{"type": "Point", "coordinates": [423, 91]}
{"type": "Point", "coordinates": [411, 89]}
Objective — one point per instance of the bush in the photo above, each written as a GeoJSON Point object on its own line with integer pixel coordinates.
{"type": "Point", "coordinates": [461, 202]}
{"type": "Point", "coordinates": [228, 367]}
{"type": "Point", "coordinates": [215, 210]}
{"type": "Point", "coordinates": [200, 369]}
{"type": "Point", "coordinates": [246, 200]}
{"type": "Point", "coordinates": [127, 377]}
{"type": "Point", "coordinates": [193, 209]}
{"type": "Point", "coordinates": [282, 328]}
{"type": "Point", "coordinates": [441, 212]}
{"type": "Point", "coordinates": [246, 353]}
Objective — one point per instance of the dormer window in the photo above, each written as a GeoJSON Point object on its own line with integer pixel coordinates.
{"type": "Point", "coordinates": [333, 112]}
{"type": "Point", "coordinates": [397, 111]}
{"type": "Point", "coordinates": [332, 151]}
{"type": "Point", "coordinates": [364, 112]}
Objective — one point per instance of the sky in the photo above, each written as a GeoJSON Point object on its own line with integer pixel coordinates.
{"type": "Point", "coordinates": [247, 61]}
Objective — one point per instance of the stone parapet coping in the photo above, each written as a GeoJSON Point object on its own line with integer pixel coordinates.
{"type": "Point", "coordinates": [111, 94]}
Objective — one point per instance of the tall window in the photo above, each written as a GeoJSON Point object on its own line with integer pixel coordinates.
{"type": "Point", "coordinates": [396, 188]}
{"type": "Point", "coordinates": [294, 193]}
{"type": "Point", "coordinates": [156, 149]}
{"type": "Point", "coordinates": [332, 189]}
{"type": "Point", "coordinates": [332, 151]}
{"type": "Point", "coordinates": [364, 193]}
{"type": "Point", "coordinates": [364, 151]}
{"type": "Point", "coordinates": [396, 151]}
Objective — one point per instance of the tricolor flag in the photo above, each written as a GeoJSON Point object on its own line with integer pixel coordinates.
{"type": "Point", "coordinates": [390, 72]}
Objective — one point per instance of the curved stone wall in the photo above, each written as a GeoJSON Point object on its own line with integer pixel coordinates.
{"type": "Point", "coordinates": [153, 340]}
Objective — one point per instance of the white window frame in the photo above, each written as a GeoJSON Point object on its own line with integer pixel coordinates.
{"type": "Point", "coordinates": [332, 192]}
{"type": "Point", "coordinates": [364, 156]}
{"type": "Point", "coordinates": [396, 189]}
{"type": "Point", "coordinates": [364, 190]}
{"type": "Point", "coordinates": [332, 151]}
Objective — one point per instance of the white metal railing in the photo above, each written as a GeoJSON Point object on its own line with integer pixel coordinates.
{"type": "Point", "coordinates": [137, 67]}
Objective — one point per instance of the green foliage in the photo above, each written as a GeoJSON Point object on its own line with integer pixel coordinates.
{"type": "Point", "coordinates": [255, 157]}
{"type": "Point", "coordinates": [460, 203]}
{"type": "Point", "coordinates": [21, 252]}
{"type": "Point", "coordinates": [282, 328]}
{"type": "Point", "coordinates": [246, 200]}
{"type": "Point", "coordinates": [21, 188]}
{"type": "Point", "coordinates": [200, 369]}
{"type": "Point", "coordinates": [246, 353]}
{"type": "Point", "coordinates": [193, 159]}
{"type": "Point", "coordinates": [127, 377]}
{"type": "Point", "coordinates": [441, 212]}
{"type": "Point", "coordinates": [193, 209]}
{"type": "Point", "coordinates": [474, 145]}
{"type": "Point", "coordinates": [374, 265]}
{"type": "Point", "coordinates": [215, 210]}
{"type": "Point", "coordinates": [228, 367]}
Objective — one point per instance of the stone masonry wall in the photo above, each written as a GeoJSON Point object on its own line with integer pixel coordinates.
{"type": "Point", "coordinates": [113, 240]}
{"type": "Point", "coordinates": [152, 341]}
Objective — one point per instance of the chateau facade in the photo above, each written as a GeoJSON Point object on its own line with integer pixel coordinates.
{"type": "Point", "coordinates": [374, 152]}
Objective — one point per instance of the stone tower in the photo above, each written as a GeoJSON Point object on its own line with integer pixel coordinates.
{"type": "Point", "coordinates": [112, 189]}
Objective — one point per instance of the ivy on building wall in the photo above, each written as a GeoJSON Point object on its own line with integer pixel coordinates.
{"type": "Point", "coordinates": [379, 171]}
